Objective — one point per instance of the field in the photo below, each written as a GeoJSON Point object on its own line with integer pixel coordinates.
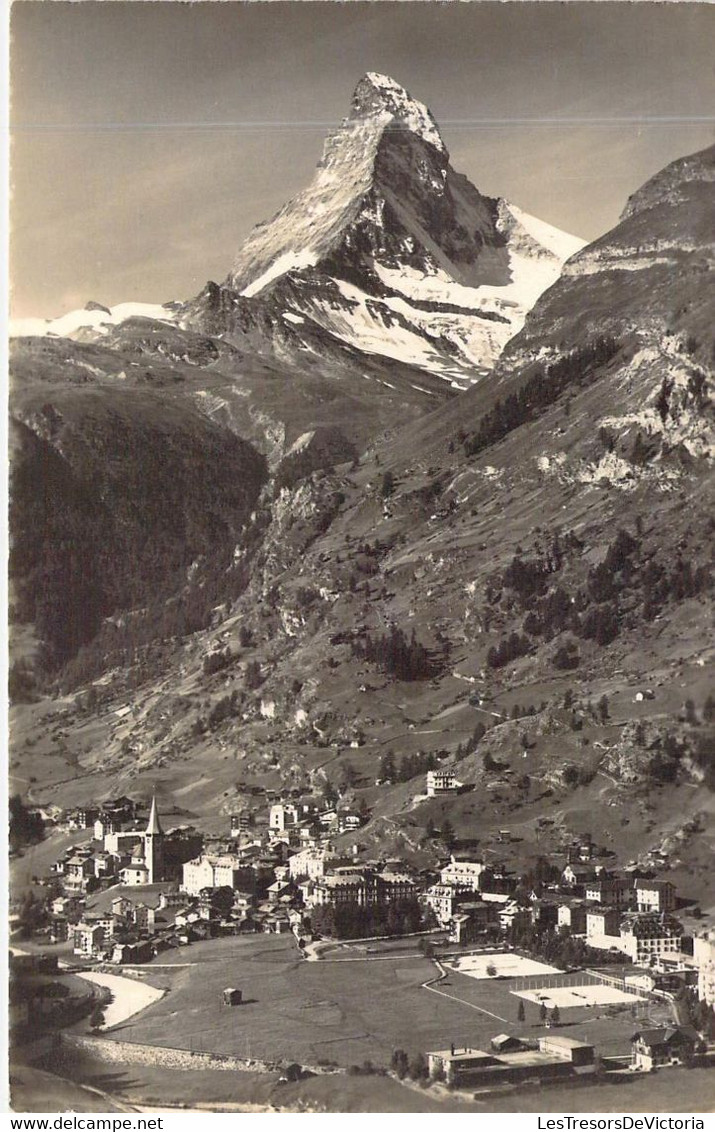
{"type": "Point", "coordinates": [504, 964]}
{"type": "Point", "coordinates": [347, 1010]}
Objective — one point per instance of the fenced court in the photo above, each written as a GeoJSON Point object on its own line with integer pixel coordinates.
{"type": "Point", "coordinates": [501, 965]}
{"type": "Point", "coordinates": [566, 997]}
{"type": "Point", "coordinates": [581, 988]}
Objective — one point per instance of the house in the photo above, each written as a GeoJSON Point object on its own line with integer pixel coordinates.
{"type": "Point", "coordinates": [457, 1066]}
{"type": "Point", "coordinates": [667, 1045]}
{"type": "Point", "coordinates": [606, 889]}
{"type": "Point", "coordinates": [602, 922]}
{"type": "Point", "coordinates": [473, 919]}
{"type": "Point", "coordinates": [88, 938]}
{"type": "Point", "coordinates": [505, 1043]}
{"type": "Point", "coordinates": [513, 914]}
{"type": "Point", "coordinates": [278, 889]}
{"type": "Point", "coordinates": [232, 996]}
{"type": "Point", "coordinates": [654, 895]}
{"type": "Point", "coordinates": [281, 816]}
{"type": "Point", "coordinates": [81, 818]}
{"type": "Point", "coordinates": [239, 824]}
{"type": "Point", "coordinates": [441, 782]}
{"type": "Point", "coordinates": [544, 913]}
{"type": "Point", "coordinates": [572, 915]}
{"type": "Point", "coordinates": [135, 873]}
{"type": "Point", "coordinates": [69, 906]}
{"type": "Point", "coordinates": [646, 938]}
{"type": "Point", "coordinates": [141, 951]}
{"type": "Point", "coordinates": [59, 929]}
{"type": "Point", "coordinates": [104, 824]}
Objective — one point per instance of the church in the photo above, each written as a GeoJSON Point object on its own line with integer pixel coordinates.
{"type": "Point", "coordinates": [146, 865]}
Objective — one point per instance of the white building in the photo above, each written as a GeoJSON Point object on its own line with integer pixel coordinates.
{"type": "Point", "coordinates": [441, 782]}
{"type": "Point", "coordinates": [649, 937]}
{"type": "Point", "coordinates": [281, 816]}
{"type": "Point", "coordinates": [466, 873]}
{"type": "Point", "coordinates": [310, 863]}
{"type": "Point", "coordinates": [654, 895]}
{"type": "Point", "coordinates": [704, 959]}
{"type": "Point", "coordinates": [444, 900]}
{"type": "Point", "coordinates": [212, 871]}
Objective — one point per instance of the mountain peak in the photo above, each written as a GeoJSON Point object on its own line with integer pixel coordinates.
{"type": "Point", "coordinates": [378, 94]}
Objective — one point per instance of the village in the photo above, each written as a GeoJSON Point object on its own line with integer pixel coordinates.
{"type": "Point", "coordinates": [569, 932]}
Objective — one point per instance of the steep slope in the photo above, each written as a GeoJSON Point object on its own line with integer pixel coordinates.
{"type": "Point", "coordinates": [391, 251]}
{"type": "Point", "coordinates": [543, 560]}
{"type": "Point", "coordinates": [120, 500]}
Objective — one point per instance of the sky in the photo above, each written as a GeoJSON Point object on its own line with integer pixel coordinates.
{"type": "Point", "coordinates": [148, 138]}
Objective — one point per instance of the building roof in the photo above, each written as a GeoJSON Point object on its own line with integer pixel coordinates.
{"type": "Point", "coordinates": [564, 1043]}
{"type": "Point", "coordinates": [659, 1036]}
{"type": "Point", "coordinates": [153, 825]}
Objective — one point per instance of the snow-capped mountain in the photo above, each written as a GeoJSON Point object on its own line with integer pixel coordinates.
{"type": "Point", "coordinates": [91, 322]}
{"type": "Point", "coordinates": [390, 251]}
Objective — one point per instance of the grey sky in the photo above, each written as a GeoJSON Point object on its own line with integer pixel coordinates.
{"type": "Point", "coordinates": [148, 138]}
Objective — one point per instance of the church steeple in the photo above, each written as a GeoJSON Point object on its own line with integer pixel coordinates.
{"type": "Point", "coordinates": [154, 845]}
{"type": "Point", "coordinates": [154, 825]}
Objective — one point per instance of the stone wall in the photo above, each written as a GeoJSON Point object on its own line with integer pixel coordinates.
{"type": "Point", "coordinates": [133, 1053]}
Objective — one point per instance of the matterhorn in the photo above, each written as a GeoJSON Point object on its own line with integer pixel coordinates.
{"type": "Point", "coordinates": [389, 252]}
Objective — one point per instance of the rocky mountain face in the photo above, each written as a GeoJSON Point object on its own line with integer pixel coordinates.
{"type": "Point", "coordinates": [495, 583]}
{"type": "Point", "coordinates": [390, 251]}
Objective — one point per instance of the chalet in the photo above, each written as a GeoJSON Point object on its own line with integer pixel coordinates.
{"type": "Point", "coordinates": [141, 951]}
{"type": "Point", "coordinates": [277, 890]}
{"type": "Point", "coordinates": [667, 1045]}
{"type": "Point", "coordinates": [79, 875]}
{"type": "Point", "coordinates": [88, 938]}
